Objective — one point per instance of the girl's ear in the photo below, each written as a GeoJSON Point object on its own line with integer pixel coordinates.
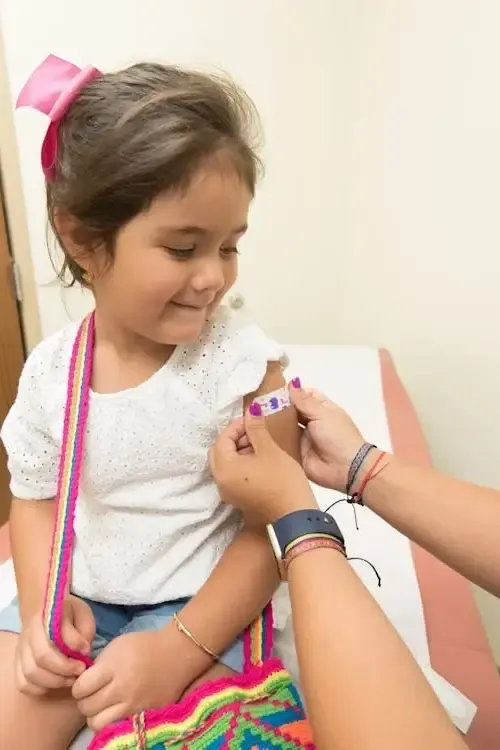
{"type": "Point", "coordinates": [71, 236]}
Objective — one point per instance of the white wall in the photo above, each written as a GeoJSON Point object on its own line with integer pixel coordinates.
{"type": "Point", "coordinates": [381, 201]}
{"type": "Point", "coordinates": [279, 56]}
{"type": "Point", "coordinates": [423, 235]}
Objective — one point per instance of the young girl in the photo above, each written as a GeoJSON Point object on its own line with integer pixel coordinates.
{"type": "Point", "coordinates": [149, 175]}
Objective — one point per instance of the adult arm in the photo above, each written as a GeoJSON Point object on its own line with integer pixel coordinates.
{"type": "Point", "coordinates": [362, 687]}
{"type": "Point", "coordinates": [456, 521]}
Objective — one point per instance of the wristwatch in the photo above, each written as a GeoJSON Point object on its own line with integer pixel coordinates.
{"type": "Point", "coordinates": [301, 523]}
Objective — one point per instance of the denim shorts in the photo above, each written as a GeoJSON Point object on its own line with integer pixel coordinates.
{"type": "Point", "coordinates": [113, 620]}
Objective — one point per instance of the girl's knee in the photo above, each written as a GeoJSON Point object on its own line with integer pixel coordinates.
{"type": "Point", "coordinates": [47, 722]}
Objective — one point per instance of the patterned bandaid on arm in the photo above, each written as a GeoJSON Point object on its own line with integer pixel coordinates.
{"type": "Point", "coordinates": [274, 402]}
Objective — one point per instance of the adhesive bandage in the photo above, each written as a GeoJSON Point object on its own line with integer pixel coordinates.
{"type": "Point", "coordinates": [274, 402]}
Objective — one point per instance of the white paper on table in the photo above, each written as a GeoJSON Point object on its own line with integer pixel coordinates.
{"type": "Point", "coordinates": [460, 709]}
{"type": "Point", "coordinates": [7, 584]}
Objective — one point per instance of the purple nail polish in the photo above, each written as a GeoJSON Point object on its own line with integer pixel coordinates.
{"type": "Point", "coordinates": [296, 383]}
{"type": "Point", "coordinates": [255, 409]}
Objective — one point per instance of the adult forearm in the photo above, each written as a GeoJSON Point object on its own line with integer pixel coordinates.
{"type": "Point", "coordinates": [362, 687]}
{"type": "Point", "coordinates": [31, 524]}
{"type": "Point", "coordinates": [456, 521]}
{"type": "Point", "coordinates": [239, 588]}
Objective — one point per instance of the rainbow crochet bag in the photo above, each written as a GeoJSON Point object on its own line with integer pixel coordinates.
{"type": "Point", "coordinates": [259, 709]}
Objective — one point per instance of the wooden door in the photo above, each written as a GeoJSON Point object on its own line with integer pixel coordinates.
{"type": "Point", "coordinates": [11, 353]}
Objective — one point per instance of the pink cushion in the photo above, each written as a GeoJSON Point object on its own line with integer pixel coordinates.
{"type": "Point", "coordinates": [459, 648]}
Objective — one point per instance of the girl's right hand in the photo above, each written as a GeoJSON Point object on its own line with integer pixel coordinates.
{"type": "Point", "coordinates": [40, 667]}
{"type": "Point", "coordinates": [330, 438]}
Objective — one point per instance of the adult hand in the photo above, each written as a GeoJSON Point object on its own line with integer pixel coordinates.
{"type": "Point", "coordinates": [330, 438]}
{"type": "Point", "coordinates": [40, 667]}
{"type": "Point", "coordinates": [255, 475]}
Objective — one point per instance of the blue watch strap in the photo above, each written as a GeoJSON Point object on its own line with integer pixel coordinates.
{"type": "Point", "coordinates": [303, 522]}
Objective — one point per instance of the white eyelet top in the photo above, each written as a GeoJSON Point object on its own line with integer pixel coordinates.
{"type": "Point", "coordinates": [149, 524]}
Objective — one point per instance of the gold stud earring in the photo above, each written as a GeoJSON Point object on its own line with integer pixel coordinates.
{"type": "Point", "coordinates": [87, 278]}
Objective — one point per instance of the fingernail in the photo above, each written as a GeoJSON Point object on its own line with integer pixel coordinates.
{"type": "Point", "coordinates": [255, 409]}
{"type": "Point", "coordinates": [296, 383]}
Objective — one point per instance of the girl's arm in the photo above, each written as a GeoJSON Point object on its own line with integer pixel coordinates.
{"type": "Point", "coordinates": [32, 460]}
{"type": "Point", "coordinates": [31, 523]}
{"type": "Point", "coordinates": [246, 577]}
{"type": "Point", "coordinates": [235, 594]}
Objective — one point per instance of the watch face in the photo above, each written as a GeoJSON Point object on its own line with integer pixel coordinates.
{"type": "Point", "coordinates": [278, 552]}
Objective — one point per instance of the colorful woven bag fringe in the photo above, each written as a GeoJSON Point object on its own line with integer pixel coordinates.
{"type": "Point", "coordinates": [259, 709]}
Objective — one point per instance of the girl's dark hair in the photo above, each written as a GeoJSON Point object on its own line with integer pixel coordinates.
{"type": "Point", "coordinates": [139, 132]}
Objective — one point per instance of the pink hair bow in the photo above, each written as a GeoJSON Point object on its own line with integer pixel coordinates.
{"type": "Point", "coordinates": [50, 89]}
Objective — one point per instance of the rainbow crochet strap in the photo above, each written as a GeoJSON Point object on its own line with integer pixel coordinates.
{"type": "Point", "coordinates": [258, 640]}
{"type": "Point", "coordinates": [70, 464]}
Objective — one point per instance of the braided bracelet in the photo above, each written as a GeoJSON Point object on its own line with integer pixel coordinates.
{"type": "Point", "coordinates": [374, 471]}
{"type": "Point", "coordinates": [356, 464]}
{"type": "Point", "coordinates": [307, 544]}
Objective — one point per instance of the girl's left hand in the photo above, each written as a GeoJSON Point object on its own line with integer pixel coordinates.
{"type": "Point", "coordinates": [137, 671]}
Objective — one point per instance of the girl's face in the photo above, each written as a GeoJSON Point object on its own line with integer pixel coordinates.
{"type": "Point", "coordinates": [174, 262]}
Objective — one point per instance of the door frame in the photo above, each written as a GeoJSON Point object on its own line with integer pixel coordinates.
{"type": "Point", "coordinates": [15, 212]}
{"type": "Point", "coordinates": [13, 352]}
